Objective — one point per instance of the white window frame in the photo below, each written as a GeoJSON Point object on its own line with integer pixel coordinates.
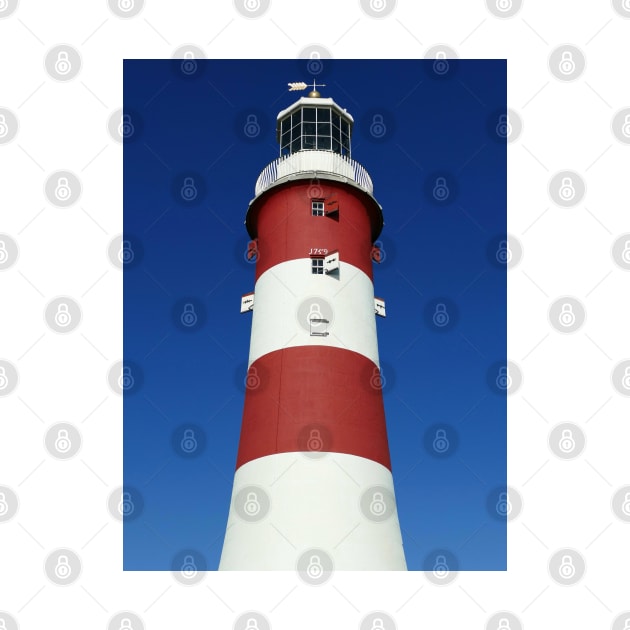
{"type": "Point", "coordinates": [317, 268]}
{"type": "Point", "coordinates": [317, 207]}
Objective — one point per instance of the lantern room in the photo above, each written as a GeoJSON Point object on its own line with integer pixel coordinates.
{"type": "Point", "coordinates": [314, 123]}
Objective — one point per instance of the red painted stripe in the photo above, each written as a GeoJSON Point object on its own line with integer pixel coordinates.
{"type": "Point", "coordinates": [282, 221]}
{"type": "Point", "coordinates": [314, 398]}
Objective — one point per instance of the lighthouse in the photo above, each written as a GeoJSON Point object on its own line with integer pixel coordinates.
{"type": "Point", "coordinates": [313, 487]}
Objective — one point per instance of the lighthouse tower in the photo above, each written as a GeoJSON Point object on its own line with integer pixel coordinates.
{"type": "Point", "coordinates": [313, 485]}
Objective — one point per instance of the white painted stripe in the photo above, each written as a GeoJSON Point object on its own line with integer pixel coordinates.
{"type": "Point", "coordinates": [279, 320]}
{"type": "Point", "coordinates": [313, 503]}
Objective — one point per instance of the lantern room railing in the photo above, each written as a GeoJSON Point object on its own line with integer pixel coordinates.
{"type": "Point", "coordinates": [314, 164]}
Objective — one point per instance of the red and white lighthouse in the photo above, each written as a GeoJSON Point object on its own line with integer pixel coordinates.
{"type": "Point", "coordinates": [313, 475]}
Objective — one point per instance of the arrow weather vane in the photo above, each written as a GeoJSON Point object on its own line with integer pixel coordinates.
{"type": "Point", "coordinates": [302, 86]}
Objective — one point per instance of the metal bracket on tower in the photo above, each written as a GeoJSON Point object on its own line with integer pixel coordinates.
{"type": "Point", "coordinates": [379, 307]}
{"type": "Point", "coordinates": [247, 302]}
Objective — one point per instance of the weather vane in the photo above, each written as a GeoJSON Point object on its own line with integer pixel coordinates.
{"type": "Point", "coordinates": [302, 86]}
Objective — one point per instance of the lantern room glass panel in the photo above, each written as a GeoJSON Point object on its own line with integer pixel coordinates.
{"type": "Point", "coordinates": [315, 128]}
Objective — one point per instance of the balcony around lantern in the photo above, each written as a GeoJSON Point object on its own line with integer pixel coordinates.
{"type": "Point", "coordinates": [312, 164]}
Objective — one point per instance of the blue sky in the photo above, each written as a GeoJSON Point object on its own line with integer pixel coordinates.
{"type": "Point", "coordinates": [440, 128]}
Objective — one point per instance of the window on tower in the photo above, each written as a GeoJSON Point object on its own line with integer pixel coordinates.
{"type": "Point", "coordinates": [317, 208]}
{"type": "Point", "coordinates": [317, 266]}
{"type": "Point", "coordinates": [314, 128]}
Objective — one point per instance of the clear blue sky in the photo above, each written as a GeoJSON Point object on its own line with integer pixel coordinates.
{"type": "Point", "coordinates": [436, 252]}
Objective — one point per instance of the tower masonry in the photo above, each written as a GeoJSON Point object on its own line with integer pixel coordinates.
{"type": "Point", "coordinates": [313, 487]}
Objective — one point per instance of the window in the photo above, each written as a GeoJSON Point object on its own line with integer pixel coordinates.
{"type": "Point", "coordinates": [308, 114]}
{"type": "Point", "coordinates": [314, 128]}
{"type": "Point", "coordinates": [317, 266]}
{"type": "Point", "coordinates": [317, 208]}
